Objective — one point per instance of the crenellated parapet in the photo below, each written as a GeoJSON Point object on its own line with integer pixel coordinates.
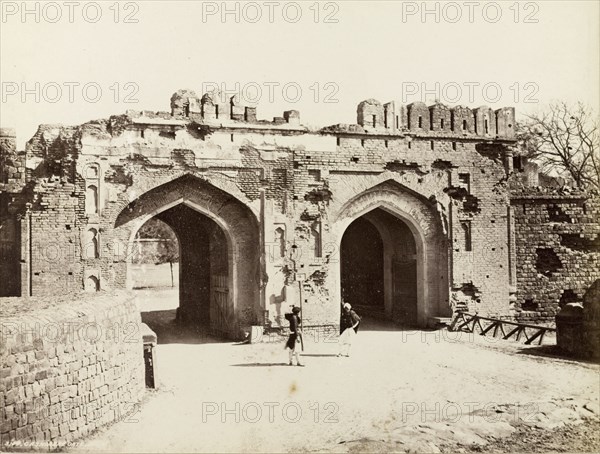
{"type": "Point", "coordinates": [218, 106]}
{"type": "Point", "coordinates": [437, 119]}
{"type": "Point", "coordinates": [418, 117]}
{"type": "Point", "coordinates": [373, 117]}
{"type": "Point", "coordinates": [370, 113]}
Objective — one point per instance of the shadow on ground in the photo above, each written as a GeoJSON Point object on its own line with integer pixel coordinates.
{"type": "Point", "coordinates": [261, 364]}
{"type": "Point", "coordinates": [553, 351]}
{"type": "Point", "coordinates": [320, 355]}
{"type": "Point", "coordinates": [169, 331]}
{"type": "Point", "coordinates": [373, 323]}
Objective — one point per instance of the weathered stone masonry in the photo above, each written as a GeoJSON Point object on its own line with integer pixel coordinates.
{"type": "Point", "coordinates": [261, 208]}
{"type": "Point", "coordinates": [557, 249]}
{"type": "Point", "coordinates": [67, 367]}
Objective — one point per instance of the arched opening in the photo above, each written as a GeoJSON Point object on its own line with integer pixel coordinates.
{"type": "Point", "coordinates": [91, 199]}
{"type": "Point", "coordinates": [92, 284]}
{"type": "Point", "coordinates": [219, 256]}
{"type": "Point", "coordinates": [182, 267]}
{"type": "Point", "coordinates": [379, 267]}
{"type": "Point", "coordinates": [92, 247]}
{"type": "Point", "coordinates": [413, 234]}
{"type": "Point", "coordinates": [91, 171]}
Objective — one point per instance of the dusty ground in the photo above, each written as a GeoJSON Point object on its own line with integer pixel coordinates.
{"type": "Point", "coordinates": [399, 391]}
{"type": "Point", "coordinates": [150, 275]}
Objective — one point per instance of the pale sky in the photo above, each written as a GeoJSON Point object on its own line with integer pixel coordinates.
{"type": "Point", "coordinates": [336, 54]}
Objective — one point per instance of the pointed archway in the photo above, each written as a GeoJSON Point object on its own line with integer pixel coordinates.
{"type": "Point", "coordinates": [379, 267]}
{"type": "Point", "coordinates": [412, 259]}
{"type": "Point", "coordinates": [220, 258]}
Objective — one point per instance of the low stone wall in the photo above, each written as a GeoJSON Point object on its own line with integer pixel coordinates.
{"type": "Point", "coordinates": [67, 367]}
{"type": "Point", "coordinates": [578, 326]}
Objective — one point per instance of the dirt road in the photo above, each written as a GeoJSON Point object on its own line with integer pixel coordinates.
{"type": "Point", "coordinates": [398, 391]}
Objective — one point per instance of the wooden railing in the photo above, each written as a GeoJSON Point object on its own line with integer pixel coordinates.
{"type": "Point", "coordinates": [507, 329]}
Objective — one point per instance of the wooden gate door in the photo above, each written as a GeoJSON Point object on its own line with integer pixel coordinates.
{"type": "Point", "coordinates": [404, 300]}
{"type": "Point", "coordinates": [221, 314]}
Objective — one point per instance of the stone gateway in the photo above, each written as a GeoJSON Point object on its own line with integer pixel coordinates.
{"type": "Point", "coordinates": [413, 212]}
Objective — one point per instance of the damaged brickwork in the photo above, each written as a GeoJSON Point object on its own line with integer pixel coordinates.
{"type": "Point", "coordinates": [557, 255]}
{"type": "Point", "coordinates": [261, 209]}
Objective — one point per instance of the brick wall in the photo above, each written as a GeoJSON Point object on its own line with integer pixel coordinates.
{"type": "Point", "coordinates": [269, 183]}
{"type": "Point", "coordinates": [557, 249]}
{"type": "Point", "coordinates": [68, 367]}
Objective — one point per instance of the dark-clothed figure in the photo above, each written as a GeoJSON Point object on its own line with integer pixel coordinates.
{"type": "Point", "coordinates": [295, 334]}
{"type": "Point", "coordinates": [348, 329]}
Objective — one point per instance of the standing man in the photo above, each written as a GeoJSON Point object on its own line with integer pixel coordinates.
{"type": "Point", "coordinates": [295, 334]}
{"type": "Point", "coordinates": [348, 329]}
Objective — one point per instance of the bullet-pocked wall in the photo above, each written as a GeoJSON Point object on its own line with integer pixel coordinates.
{"type": "Point", "coordinates": [557, 249]}
{"type": "Point", "coordinates": [275, 198]}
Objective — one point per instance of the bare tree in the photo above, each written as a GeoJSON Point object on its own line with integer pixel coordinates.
{"type": "Point", "coordinates": [564, 141]}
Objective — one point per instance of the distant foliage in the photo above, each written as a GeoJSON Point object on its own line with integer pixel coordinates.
{"type": "Point", "coordinates": [164, 250]}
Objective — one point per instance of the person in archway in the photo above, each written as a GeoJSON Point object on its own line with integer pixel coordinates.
{"type": "Point", "coordinates": [348, 329]}
{"type": "Point", "coordinates": [295, 334]}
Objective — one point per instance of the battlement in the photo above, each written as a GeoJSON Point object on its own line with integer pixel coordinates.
{"type": "Point", "coordinates": [216, 105]}
{"type": "Point", "coordinates": [437, 119]}
{"type": "Point", "coordinates": [373, 117]}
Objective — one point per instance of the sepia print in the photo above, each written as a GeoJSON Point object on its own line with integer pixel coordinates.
{"type": "Point", "coordinates": [313, 226]}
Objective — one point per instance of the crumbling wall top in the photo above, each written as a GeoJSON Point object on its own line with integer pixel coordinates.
{"type": "Point", "coordinates": [437, 119]}
{"type": "Point", "coordinates": [8, 133]}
